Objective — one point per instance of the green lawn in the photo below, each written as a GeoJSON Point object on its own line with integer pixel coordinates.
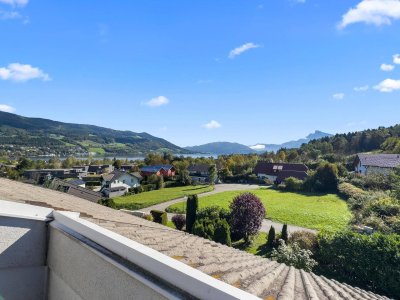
{"type": "Point", "coordinates": [155, 197]}
{"type": "Point", "coordinates": [315, 211]}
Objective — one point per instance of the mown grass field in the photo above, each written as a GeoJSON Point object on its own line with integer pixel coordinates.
{"type": "Point", "coordinates": [147, 199]}
{"type": "Point", "coordinates": [315, 211]}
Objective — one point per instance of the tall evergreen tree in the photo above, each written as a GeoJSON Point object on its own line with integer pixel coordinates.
{"type": "Point", "coordinates": [192, 204]}
{"type": "Point", "coordinates": [271, 238]}
{"type": "Point", "coordinates": [285, 234]}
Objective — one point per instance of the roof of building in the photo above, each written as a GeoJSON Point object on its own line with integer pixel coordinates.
{"type": "Point", "coordinates": [76, 182]}
{"type": "Point", "coordinates": [156, 168]}
{"type": "Point", "coordinates": [379, 160]}
{"type": "Point", "coordinates": [114, 175]}
{"type": "Point", "coordinates": [199, 168]}
{"type": "Point", "coordinates": [95, 168]}
{"type": "Point", "coordinates": [282, 175]}
{"type": "Point", "coordinates": [76, 190]}
{"type": "Point", "coordinates": [268, 168]}
{"type": "Point", "coordinates": [255, 274]}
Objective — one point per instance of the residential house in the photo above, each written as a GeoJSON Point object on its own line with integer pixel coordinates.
{"type": "Point", "coordinates": [41, 175]}
{"type": "Point", "coordinates": [128, 167]}
{"type": "Point", "coordinates": [376, 163]}
{"type": "Point", "coordinates": [278, 172]}
{"type": "Point", "coordinates": [200, 172]}
{"type": "Point", "coordinates": [159, 170]}
{"type": "Point", "coordinates": [117, 183]}
{"type": "Point", "coordinates": [95, 252]}
{"type": "Point", "coordinates": [100, 169]}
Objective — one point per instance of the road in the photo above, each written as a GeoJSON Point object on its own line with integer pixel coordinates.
{"type": "Point", "coordinates": [219, 188]}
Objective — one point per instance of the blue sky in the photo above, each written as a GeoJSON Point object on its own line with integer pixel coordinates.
{"type": "Point", "coordinates": [201, 71]}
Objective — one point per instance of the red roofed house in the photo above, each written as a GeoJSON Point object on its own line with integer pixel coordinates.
{"type": "Point", "coordinates": [278, 172]}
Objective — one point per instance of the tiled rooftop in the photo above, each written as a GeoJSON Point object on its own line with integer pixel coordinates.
{"type": "Point", "coordinates": [257, 275]}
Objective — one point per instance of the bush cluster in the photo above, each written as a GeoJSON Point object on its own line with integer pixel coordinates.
{"type": "Point", "coordinates": [370, 261]}
{"type": "Point", "coordinates": [211, 224]}
{"type": "Point", "coordinates": [159, 216]}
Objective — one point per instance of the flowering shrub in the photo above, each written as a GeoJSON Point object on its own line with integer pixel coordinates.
{"type": "Point", "coordinates": [293, 255]}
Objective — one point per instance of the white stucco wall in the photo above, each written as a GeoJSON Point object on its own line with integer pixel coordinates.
{"type": "Point", "coordinates": [78, 271]}
{"type": "Point", "coordinates": [22, 258]}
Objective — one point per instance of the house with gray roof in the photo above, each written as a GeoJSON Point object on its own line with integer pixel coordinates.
{"type": "Point", "coordinates": [117, 183]}
{"type": "Point", "coordinates": [69, 248]}
{"type": "Point", "coordinates": [366, 163]}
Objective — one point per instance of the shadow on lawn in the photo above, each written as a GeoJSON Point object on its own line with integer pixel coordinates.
{"type": "Point", "coordinates": [261, 250]}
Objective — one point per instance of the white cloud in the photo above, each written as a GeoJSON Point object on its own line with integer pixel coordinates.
{"type": "Point", "coordinates": [157, 101]}
{"type": "Point", "coordinates": [241, 49]}
{"type": "Point", "coordinates": [396, 59]}
{"type": "Point", "coordinates": [15, 2]}
{"type": "Point", "coordinates": [212, 125]}
{"type": "Point", "coordinates": [388, 85]}
{"type": "Point", "coordinates": [338, 96]}
{"type": "Point", "coordinates": [21, 73]}
{"type": "Point", "coordinates": [7, 108]}
{"type": "Point", "coordinates": [377, 12]}
{"type": "Point", "coordinates": [387, 68]}
{"type": "Point", "coordinates": [9, 15]}
{"type": "Point", "coordinates": [258, 147]}
{"type": "Point", "coordinates": [361, 88]}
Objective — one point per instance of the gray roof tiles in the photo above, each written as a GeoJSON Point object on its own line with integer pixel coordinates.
{"type": "Point", "coordinates": [379, 160]}
{"type": "Point", "coordinates": [257, 275]}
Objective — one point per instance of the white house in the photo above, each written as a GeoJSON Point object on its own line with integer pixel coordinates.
{"type": "Point", "coordinates": [376, 163]}
{"type": "Point", "coordinates": [117, 179]}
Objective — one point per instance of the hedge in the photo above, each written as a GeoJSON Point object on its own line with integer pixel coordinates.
{"type": "Point", "coordinates": [369, 261]}
{"type": "Point", "coordinates": [347, 190]}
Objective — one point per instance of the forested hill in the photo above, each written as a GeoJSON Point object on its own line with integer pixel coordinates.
{"type": "Point", "coordinates": [386, 139]}
{"type": "Point", "coordinates": [45, 136]}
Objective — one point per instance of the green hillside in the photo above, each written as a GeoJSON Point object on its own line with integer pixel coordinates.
{"type": "Point", "coordinates": [36, 136]}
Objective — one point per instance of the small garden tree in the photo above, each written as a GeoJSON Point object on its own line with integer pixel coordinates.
{"type": "Point", "coordinates": [212, 174]}
{"type": "Point", "coordinates": [271, 238]}
{"type": "Point", "coordinates": [222, 233]}
{"type": "Point", "coordinates": [247, 214]}
{"type": "Point", "coordinates": [192, 204]}
{"type": "Point", "coordinates": [285, 234]}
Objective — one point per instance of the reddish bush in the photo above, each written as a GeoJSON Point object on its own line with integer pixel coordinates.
{"type": "Point", "coordinates": [247, 214]}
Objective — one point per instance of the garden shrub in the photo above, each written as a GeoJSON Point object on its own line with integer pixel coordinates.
{"type": "Point", "coordinates": [247, 214]}
{"type": "Point", "coordinates": [179, 221]}
{"type": "Point", "coordinates": [305, 239]}
{"type": "Point", "coordinates": [222, 233]}
{"type": "Point", "coordinates": [159, 216]}
{"type": "Point", "coordinates": [107, 202]}
{"type": "Point", "coordinates": [293, 255]}
{"type": "Point", "coordinates": [347, 190]}
{"type": "Point", "coordinates": [293, 184]}
{"type": "Point", "coordinates": [192, 204]}
{"type": "Point", "coordinates": [369, 261]}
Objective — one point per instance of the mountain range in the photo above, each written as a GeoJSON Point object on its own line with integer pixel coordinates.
{"type": "Point", "coordinates": [220, 148]}
{"type": "Point", "coordinates": [36, 136]}
{"type": "Point", "coordinates": [291, 144]}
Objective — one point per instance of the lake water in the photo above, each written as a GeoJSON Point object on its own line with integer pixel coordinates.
{"type": "Point", "coordinates": [129, 158]}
